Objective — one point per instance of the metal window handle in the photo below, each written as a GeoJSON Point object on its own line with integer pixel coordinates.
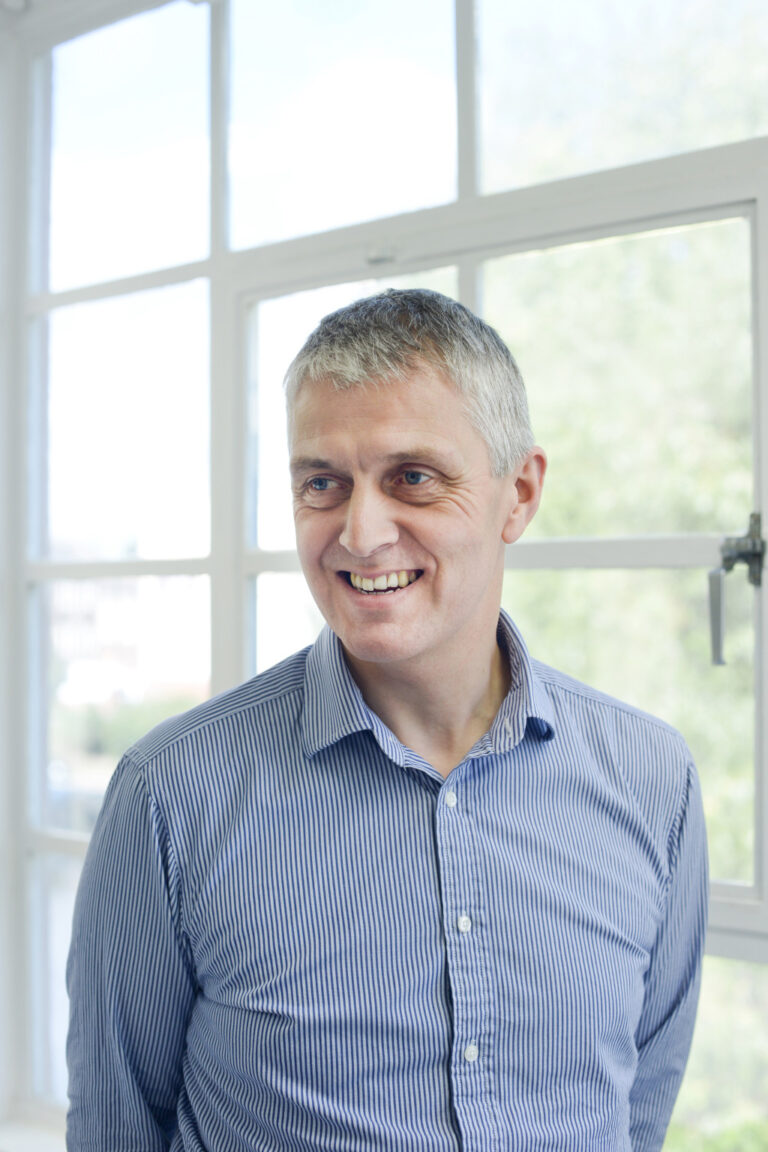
{"type": "Point", "coordinates": [750, 550]}
{"type": "Point", "coordinates": [717, 613]}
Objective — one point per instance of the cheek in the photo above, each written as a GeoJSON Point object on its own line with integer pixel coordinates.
{"type": "Point", "coordinates": [314, 532]}
{"type": "Point", "coordinates": [303, 530]}
{"type": "Point", "coordinates": [466, 528]}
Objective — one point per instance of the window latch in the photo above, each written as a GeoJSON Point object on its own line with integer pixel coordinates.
{"type": "Point", "coordinates": [750, 550]}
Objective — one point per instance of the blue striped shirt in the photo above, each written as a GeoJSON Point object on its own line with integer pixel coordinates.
{"type": "Point", "coordinates": [292, 933]}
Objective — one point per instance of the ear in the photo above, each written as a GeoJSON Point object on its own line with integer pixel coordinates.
{"type": "Point", "coordinates": [528, 480]}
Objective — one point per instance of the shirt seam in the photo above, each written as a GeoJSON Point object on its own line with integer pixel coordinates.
{"type": "Point", "coordinates": [607, 701]}
{"type": "Point", "coordinates": [676, 827]}
{"type": "Point", "coordinates": [148, 759]}
{"type": "Point", "coordinates": [178, 922]}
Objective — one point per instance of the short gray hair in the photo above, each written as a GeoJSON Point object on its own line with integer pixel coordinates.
{"type": "Point", "coordinates": [383, 338]}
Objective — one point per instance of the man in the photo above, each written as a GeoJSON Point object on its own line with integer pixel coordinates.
{"type": "Point", "coordinates": [409, 889]}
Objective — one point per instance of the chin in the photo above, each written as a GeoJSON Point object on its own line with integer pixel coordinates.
{"type": "Point", "coordinates": [375, 650]}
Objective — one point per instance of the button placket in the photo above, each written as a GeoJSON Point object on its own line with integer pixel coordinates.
{"type": "Point", "coordinates": [465, 971]}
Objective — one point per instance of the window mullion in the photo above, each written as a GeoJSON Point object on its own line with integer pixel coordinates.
{"type": "Point", "coordinates": [219, 80]}
{"type": "Point", "coordinates": [760, 432]}
{"type": "Point", "coordinates": [226, 398]}
{"type": "Point", "coordinates": [466, 98]}
{"type": "Point", "coordinates": [41, 840]}
{"type": "Point", "coordinates": [738, 926]}
{"type": "Point", "coordinates": [469, 283]}
{"type": "Point", "coordinates": [12, 200]}
{"type": "Point", "coordinates": [54, 23]}
{"type": "Point", "coordinates": [108, 289]}
{"type": "Point", "coordinates": [647, 197]}
{"type": "Point", "coordinates": [47, 570]}
{"type": "Point", "coordinates": [674, 551]}
{"type": "Point", "coordinates": [38, 171]}
{"type": "Point", "coordinates": [227, 481]}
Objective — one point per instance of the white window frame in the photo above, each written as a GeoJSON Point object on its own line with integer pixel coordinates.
{"type": "Point", "coordinates": [705, 185]}
{"type": "Point", "coordinates": [729, 180]}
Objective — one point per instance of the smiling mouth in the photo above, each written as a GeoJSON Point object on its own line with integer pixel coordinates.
{"type": "Point", "coordinates": [384, 583]}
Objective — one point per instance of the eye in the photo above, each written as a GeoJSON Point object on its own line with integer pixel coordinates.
{"type": "Point", "coordinates": [413, 477]}
{"type": "Point", "coordinates": [319, 491]}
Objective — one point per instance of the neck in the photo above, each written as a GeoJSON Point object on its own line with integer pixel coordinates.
{"type": "Point", "coordinates": [434, 710]}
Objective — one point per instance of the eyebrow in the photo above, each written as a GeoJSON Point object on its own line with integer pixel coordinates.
{"type": "Point", "coordinates": [309, 464]}
{"type": "Point", "coordinates": [415, 455]}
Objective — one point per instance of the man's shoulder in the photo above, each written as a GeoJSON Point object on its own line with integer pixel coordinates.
{"type": "Point", "coordinates": [222, 715]}
{"type": "Point", "coordinates": [630, 751]}
{"type": "Point", "coordinates": [591, 706]}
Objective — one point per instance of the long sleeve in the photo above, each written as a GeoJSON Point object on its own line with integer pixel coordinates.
{"type": "Point", "coordinates": [672, 985]}
{"type": "Point", "coordinates": [129, 978]}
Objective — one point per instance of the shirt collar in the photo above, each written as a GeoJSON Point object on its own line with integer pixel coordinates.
{"type": "Point", "coordinates": [334, 706]}
{"type": "Point", "coordinates": [333, 703]}
{"type": "Point", "coordinates": [526, 707]}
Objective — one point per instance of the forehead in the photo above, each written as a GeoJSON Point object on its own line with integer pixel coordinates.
{"type": "Point", "coordinates": [415, 423]}
{"type": "Point", "coordinates": [419, 421]}
{"type": "Point", "coordinates": [421, 417]}
{"type": "Point", "coordinates": [423, 396]}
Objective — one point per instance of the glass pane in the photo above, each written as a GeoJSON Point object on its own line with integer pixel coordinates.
{"type": "Point", "coordinates": [339, 113]}
{"type": "Point", "coordinates": [128, 427]}
{"type": "Point", "coordinates": [285, 618]}
{"type": "Point", "coordinates": [111, 658]}
{"type": "Point", "coordinates": [637, 355]}
{"type": "Point", "coordinates": [53, 883]}
{"type": "Point", "coordinates": [643, 636]}
{"type": "Point", "coordinates": [277, 330]}
{"type": "Point", "coordinates": [130, 164]}
{"type": "Point", "coordinates": [723, 1102]}
{"type": "Point", "coordinates": [573, 88]}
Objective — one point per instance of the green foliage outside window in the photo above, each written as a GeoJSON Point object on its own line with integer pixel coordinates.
{"type": "Point", "coordinates": [637, 357]}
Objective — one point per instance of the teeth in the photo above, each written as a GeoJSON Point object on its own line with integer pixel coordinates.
{"type": "Point", "coordinates": [384, 582]}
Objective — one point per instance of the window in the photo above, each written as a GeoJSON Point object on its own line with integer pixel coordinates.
{"type": "Point", "coordinates": [348, 76]}
{"type": "Point", "coordinates": [185, 188]}
{"type": "Point", "coordinates": [129, 152]}
{"type": "Point", "coordinates": [642, 342]}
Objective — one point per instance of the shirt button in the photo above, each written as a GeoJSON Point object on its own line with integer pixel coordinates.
{"type": "Point", "coordinates": [451, 799]}
{"type": "Point", "coordinates": [471, 1053]}
{"type": "Point", "coordinates": [464, 924]}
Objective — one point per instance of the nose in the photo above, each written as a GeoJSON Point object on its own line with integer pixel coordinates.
{"type": "Point", "coordinates": [369, 524]}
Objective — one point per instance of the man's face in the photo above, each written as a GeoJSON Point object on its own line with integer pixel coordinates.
{"type": "Point", "coordinates": [400, 524]}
